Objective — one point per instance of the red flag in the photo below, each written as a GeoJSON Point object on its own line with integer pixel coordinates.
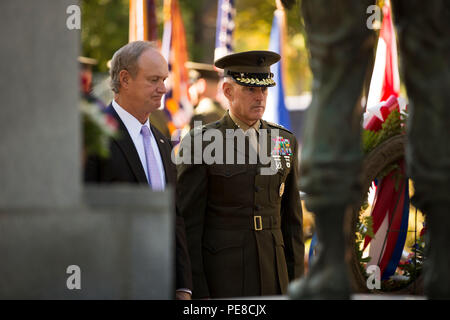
{"type": "Point", "coordinates": [174, 49]}
{"type": "Point", "coordinates": [143, 24]}
{"type": "Point", "coordinates": [385, 77]}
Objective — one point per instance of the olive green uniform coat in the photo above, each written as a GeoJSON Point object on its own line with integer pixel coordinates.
{"type": "Point", "coordinates": [223, 206]}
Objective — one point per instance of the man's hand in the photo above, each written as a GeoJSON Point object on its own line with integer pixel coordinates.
{"type": "Point", "coordinates": [182, 295]}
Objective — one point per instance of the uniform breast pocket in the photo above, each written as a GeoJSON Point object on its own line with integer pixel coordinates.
{"type": "Point", "coordinates": [226, 184]}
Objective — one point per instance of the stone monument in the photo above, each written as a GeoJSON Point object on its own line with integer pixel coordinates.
{"type": "Point", "coordinates": [58, 238]}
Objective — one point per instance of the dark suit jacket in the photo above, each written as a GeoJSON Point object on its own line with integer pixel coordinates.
{"type": "Point", "coordinates": [124, 165]}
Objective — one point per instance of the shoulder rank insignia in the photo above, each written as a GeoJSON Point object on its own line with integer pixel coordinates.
{"type": "Point", "coordinates": [276, 125]}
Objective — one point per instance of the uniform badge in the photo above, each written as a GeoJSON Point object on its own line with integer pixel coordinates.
{"type": "Point", "coordinates": [277, 146]}
{"type": "Point", "coordinates": [282, 148]}
{"type": "Point", "coordinates": [278, 164]}
{"type": "Point", "coordinates": [288, 161]}
{"type": "Point", "coordinates": [281, 189]}
{"type": "Point", "coordinates": [287, 147]}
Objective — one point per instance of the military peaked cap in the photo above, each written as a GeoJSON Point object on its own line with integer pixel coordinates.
{"type": "Point", "coordinates": [201, 70]}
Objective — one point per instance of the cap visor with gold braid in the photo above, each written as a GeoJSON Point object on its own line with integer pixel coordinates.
{"type": "Point", "coordinates": [249, 68]}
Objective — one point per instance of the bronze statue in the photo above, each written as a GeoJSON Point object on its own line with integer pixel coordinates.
{"type": "Point", "coordinates": [342, 50]}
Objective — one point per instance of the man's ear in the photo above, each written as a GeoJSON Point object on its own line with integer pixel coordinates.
{"type": "Point", "coordinates": [228, 91]}
{"type": "Point", "coordinates": [201, 85]}
{"type": "Point", "coordinates": [124, 77]}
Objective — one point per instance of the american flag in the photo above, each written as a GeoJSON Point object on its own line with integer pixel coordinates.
{"type": "Point", "coordinates": [224, 28]}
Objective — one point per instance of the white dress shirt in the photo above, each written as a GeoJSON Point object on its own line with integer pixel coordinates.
{"type": "Point", "coordinates": [134, 129]}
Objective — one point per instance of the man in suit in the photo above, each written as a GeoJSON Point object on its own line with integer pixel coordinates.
{"type": "Point", "coordinates": [243, 218]}
{"type": "Point", "coordinates": [141, 154]}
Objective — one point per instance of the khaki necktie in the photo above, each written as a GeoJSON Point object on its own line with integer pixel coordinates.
{"type": "Point", "coordinates": [253, 139]}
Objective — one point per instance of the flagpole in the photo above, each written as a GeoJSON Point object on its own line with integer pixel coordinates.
{"type": "Point", "coordinates": [276, 110]}
{"type": "Point", "coordinates": [282, 16]}
{"type": "Point", "coordinates": [138, 20]}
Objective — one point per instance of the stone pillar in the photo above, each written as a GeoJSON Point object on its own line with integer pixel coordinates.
{"type": "Point", "coordinates": [40, 131]}
{"type": "Point", "coordinates": [120, 237]}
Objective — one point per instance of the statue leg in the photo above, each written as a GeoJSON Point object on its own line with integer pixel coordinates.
{"type": "Point", "coordinates": [341, 48]}
{"type": "Point", "coordinates": [327, 278]}
{"type": "Point", "coordinates": [423, 30]}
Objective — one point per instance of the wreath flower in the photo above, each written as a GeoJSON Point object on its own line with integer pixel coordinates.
{"type": "Point", "coordinates": [98, 129]}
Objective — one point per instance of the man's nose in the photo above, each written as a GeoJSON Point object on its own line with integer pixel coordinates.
{"type": "Point", "coordinates": [162, 88]}
{"type": "Point", "coordinates": [260, 94]}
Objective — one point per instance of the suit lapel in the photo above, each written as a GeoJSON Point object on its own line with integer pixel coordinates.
{"type": "Point", "coordinates": [128, 149]}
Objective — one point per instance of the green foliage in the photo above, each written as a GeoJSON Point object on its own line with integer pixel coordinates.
{"type": "Point", "coordinates": [413, 266]}
{"type": "Point", "coordinates": [364, 227]}
{"type": "Point", "coordinates": [398, 176]}
{"type": "Point", "coordinates": [394, 125]}
{"type": "Point", "coordinates": [97, 131]}
{"type": "Point", "coordinates": [370, 140]}
{"type": "Point", "coordinates": [384, 172]}
{"type": "Point", "coordinates": [368, 224]}
{"type": "Point", "coordinates": [105, 26]}
{"type": "Point", "coordinates": [104, 29]}
{"type": "Point", "coordinates": [253, 26]}
{"type": "Point", "coordinates": [410, 269]}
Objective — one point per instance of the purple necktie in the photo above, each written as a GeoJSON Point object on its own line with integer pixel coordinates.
{"type": "Point", "coordinates": [154, 178]}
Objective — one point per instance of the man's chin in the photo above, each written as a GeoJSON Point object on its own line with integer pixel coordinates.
{"type": "Point", "coordinates": [257, 113]}
{"type": "Point", "coordinates": [154, 106]}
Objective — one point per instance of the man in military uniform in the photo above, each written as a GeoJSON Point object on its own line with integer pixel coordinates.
{"type": "Point", "coordinates": [203, 90]}
{"type": "Point", "coordinates": [86, 88]}
{"type": "Point", "coordinates": [244, 225]}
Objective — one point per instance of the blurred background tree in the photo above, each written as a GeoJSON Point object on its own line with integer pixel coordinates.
{"type": "Point", "coordinates": [253, 25]}
{"type": "Point", "coordinates": [105, 28]}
